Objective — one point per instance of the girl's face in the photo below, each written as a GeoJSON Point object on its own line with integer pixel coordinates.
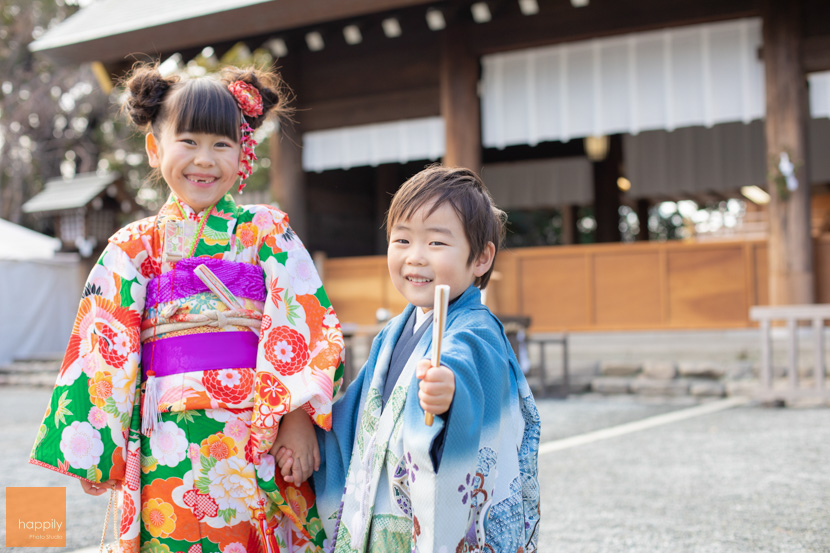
{"type": "Point", "coordinates": [199, 168]}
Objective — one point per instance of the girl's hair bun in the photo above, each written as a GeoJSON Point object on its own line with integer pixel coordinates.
{"type": "Point", "coordinates": [274, 92]}
{"type": "Point", "coordinates": [146, 89]}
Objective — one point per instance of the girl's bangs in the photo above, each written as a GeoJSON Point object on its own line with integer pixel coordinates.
{"type": "Point", "coordinates": [205, 106]}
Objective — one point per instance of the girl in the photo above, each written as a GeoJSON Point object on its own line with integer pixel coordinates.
{"type": "Point", "coordinates": [200, 332]}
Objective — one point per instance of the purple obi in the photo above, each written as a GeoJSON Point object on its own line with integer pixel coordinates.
{"type": "Point", "coordinates": [200, 352]}
{"type": "Point", "coordinates": [243, 279]}
{"type": "Point", "coordinates": [211, 350]}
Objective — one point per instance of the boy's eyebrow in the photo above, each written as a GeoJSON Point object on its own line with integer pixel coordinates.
{"type": "Point", "coordinates": [441, 230]}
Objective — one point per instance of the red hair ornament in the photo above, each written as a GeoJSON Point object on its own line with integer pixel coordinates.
{"type": "Point", "coordinates": [249, 101]}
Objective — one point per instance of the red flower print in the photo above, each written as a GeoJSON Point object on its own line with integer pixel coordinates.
{"type": "Point", "coordinates": [287, 350]}
{"type": "Point", "coordinates": [266, 324]}
{"type": "Point", "coordinates": [229, 387]}
{"type": "Point", "coordinates": [201, 504]}
{"type": "Point", "coordinates": [270, 390]}
{"type": "Point", "coordinates": [127, 513]}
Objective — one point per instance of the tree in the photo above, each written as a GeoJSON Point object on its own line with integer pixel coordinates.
{"type": "Point", "coordinates": [54, 119]}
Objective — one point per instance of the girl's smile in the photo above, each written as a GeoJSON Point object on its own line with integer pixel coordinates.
{"type": "Point", "coordinates": [199, 168]}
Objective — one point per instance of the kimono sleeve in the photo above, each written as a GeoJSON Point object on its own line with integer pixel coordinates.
{"type": "Point", "coordinates": [480, 481]}
{"type": "Point", "coordinates": [299, 358]}
{"type": "Point", "coordinates": [84, 431]}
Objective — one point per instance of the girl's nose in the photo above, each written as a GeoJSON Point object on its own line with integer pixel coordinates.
{"type": "Point", "coordinates": [203, 158]}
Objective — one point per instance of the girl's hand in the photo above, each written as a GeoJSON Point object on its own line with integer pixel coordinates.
{"type": "Point", "coordinates": [437, 387]}
{"type": "Point", "coordinates": [297, 435]}
{"type": "Point", "coordinates": [100, 488]}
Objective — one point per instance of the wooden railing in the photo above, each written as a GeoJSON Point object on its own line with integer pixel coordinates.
{"type": "Point", "coordinates": [667, 285]}
{"type": "Point", "coordinates": [792, 314]}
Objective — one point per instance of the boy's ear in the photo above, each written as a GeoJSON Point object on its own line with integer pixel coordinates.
{"type": "Point", "coordinates": [485, 260]}
{"type": "Point", "coordinates": [152, 147]}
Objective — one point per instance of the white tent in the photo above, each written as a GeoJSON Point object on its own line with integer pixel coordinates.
{"type": "Point", "coordinates": [39, 294]}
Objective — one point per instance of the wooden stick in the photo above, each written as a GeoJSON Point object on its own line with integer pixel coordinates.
{"type": "Point", "coordinates": [439, 321]}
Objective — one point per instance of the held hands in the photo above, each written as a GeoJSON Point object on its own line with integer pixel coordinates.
{"type": "Point", "coordinates": [437, 387]}
{"type": "Point", "coordinates": [295, 448]}
{"type": "Point", "coordinates": [93, 488]}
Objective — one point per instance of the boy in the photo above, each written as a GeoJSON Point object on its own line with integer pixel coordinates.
{"type": "Point", "coordinates": [469, 481]}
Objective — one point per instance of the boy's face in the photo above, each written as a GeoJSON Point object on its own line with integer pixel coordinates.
{"type": "Point", "coordinates": [428, 250]}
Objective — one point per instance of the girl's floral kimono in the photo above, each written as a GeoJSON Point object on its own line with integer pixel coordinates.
{"type": "Point", "coordinates": [480, 494]}
{"type": "Point", "coordinates": [207, 371]}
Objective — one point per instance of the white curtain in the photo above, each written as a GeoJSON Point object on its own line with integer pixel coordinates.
{"type": "Point", "coordinates": [392, 142]}
{"type": "Point", "coordinates": [668, 79]}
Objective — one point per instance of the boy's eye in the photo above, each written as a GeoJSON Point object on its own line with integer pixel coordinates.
{"type": "Point", "coordinates": [400, 241]}
{"type": "Point", "coordinates": [437, 243]}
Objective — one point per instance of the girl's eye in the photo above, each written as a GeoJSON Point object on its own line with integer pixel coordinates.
{"type": "Point", "coordinates": [188, 141]}
{"type": "Point", "coordinates": [436, 243]}
{"type": "Point", "coordinates": [223, 144]}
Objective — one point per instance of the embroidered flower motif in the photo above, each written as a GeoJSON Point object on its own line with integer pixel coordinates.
{"type": "Point", "coordinates": [169, 444]}
{"type": "Point", "coordinates": [218, 446]}
{"type": "Point", "coordinates": [230, 386]}
{"type": "Point", "coordinates": [228, 378]}
{"type": "Point", "coordinates": [304, 277]}
{"type": "Point", "coordinates": [193, 452]}
{"type": "Point", "coordinates": [201, 504]}
{"type": "Point", "coordinates": [100, 388]}
{"type": "Point", "coordinates": [234, 547]}
{"type": "Point", "coordinates": [195, 548]}
{"type": "Point", "coordinates": [286, 350]}
{"type": "Point", "coordinates": [233, 485]}
{"type": "Point", "coordinates": [236, 429]}
{"type": "Point", "coordinates": [158, 518]}
{"type": "Point", "coordinates": [412, 467]}
{"type": "Point", "coordinates": [81, 445]}
{"type": "Point", "coordinates": [154, 546]}
{"type": "Point", "coordinates": [297, 503]}
{"type": "Point", "coordinates": [97, 418]}
{"type": "Point", "coordinates": [248, 98]}
{"type": "Point", "coordinates": [266, 468]}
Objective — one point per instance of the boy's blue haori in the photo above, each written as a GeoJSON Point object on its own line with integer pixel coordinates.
{"type": "Point", "coordinates": [378, 488]}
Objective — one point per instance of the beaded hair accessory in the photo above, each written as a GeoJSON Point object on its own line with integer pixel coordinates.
{"type": "Point", "coordinates": [250, 102]}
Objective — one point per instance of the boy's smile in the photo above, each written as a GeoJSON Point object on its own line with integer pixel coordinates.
{"type": "Point", "coordinates": [199, 168]}
{"type": "Point", "coordinates": [428, 250]}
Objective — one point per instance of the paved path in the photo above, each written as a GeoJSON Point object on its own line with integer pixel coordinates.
{"type": "Point", "coordinates": [618, 474]}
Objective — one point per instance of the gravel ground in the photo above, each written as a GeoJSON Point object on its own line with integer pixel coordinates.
{"type": "Point", "coordinates": [748, 479]}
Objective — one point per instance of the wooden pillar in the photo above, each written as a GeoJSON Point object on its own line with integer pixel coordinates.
{"type": "Point", "coordinates": [791, 277]}
{"type": "Point", "coordinates": [643, 205]}
{"type": "Point", "coordinates": [287, 176]}
{"type": "Point", "coordinates": [386, 184]}
{"type": "Point", "coordinates": [459, 102]}
{"type": "Point", "coordinates": [606, 192]}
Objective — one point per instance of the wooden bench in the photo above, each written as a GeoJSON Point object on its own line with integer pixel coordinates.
{"type": "Point", "coordinates": [792, 315]}
{"type": "Point", "coordinates": [516, 329]}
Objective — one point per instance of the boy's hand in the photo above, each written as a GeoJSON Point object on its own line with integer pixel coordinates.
{"type": "Point", "coordinates": [437, 387]}
{"type": "Point", "coordinates": [93, 488]}
{"type": "Point", "coordinates": [295, 448]}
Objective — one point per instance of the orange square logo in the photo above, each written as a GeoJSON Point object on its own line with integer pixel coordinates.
{"type": "Point", "coordinates": [35, 517]}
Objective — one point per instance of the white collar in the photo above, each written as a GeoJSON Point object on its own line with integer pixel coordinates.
{"type": "Point", "coordinates": [421, 318]}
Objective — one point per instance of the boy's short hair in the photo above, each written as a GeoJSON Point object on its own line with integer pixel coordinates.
{"type": "Point", "coordinates": [482, 221]}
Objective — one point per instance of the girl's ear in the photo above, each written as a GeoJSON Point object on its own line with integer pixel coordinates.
{"type": "Point", "coordinates": [152, 147]}
{"type": "Point", "coordinates": [485, 260]}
